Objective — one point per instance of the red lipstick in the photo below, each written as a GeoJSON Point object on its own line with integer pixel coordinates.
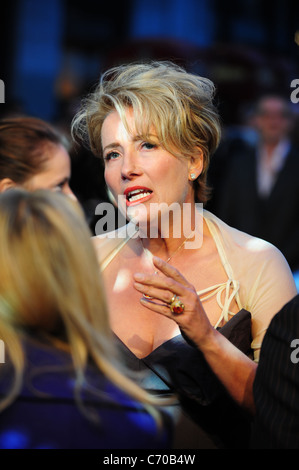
{"type": "Point", "coordinates": [137, 194]}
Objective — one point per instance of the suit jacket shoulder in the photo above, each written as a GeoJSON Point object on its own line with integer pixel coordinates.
{"type": "Point", "coordinates": [276, 386]}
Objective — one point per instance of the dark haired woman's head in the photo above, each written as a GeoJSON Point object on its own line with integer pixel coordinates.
{"type": "Point", "coordinates": [33, 155]}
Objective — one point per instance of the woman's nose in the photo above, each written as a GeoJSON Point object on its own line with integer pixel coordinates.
{"type": "Point", "coordinates": [130, 166]}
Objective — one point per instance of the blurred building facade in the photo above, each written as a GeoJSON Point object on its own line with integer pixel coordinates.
{"type": "Point", "coordinates": [53, 50]}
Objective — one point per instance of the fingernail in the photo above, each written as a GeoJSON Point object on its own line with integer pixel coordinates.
{"type": "Point", "coordinates": [138, 276]}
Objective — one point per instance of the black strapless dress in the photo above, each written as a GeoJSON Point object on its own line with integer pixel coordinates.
{"type": "Point", "coordinates": [178, 367]}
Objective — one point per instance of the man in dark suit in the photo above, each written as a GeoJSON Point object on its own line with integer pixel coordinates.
{"type": "Point", "coordinates": [260, 190]}
{"type": "Point", "coordinates": [276, 385]}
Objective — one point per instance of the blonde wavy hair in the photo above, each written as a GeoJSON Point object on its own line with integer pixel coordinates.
{"type": "Point", "coordinates": [49, 278]}
{"type": "Point", "coordinates": [164, 96]}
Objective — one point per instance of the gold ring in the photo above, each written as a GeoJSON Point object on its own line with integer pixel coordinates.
{"type": "Point", "coordinates": [176, 306]}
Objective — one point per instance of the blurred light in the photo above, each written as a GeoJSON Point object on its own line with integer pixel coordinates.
{"type": "Point", "coordinates": [14, 439]}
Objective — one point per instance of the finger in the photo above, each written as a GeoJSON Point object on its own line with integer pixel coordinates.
{"type": "Point", "coordinates": [159, 282]}
{"type": "Point", "coordinates": [170, 271]}
{"type": "Point", "coordinates": [165, 310]}
{"type": "Point", "coordinates": [155, 293]}
{"type": "Point", "coordinates": [154, 306]}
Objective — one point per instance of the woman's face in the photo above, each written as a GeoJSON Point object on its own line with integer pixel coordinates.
{"type": "Point", "coordinates": [142, 171]}
{"type": "Point", "coordinates": [56, 172]}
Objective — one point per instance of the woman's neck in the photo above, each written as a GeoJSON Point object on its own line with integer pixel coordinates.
{"type": "Point", "coordinates": [164, 240]}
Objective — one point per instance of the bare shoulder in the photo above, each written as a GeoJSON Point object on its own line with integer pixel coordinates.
{"type": "Point", "coordinates": [110, 243]}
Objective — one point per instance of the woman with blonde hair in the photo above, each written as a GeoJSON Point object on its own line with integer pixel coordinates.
{"type": "Point", "coordinates": [62, 384]}
{"type": "Point", "coordinates": [176, 271]}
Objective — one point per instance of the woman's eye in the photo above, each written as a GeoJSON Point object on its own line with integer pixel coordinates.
{"type": "Point", "coordinates": [148, 145]}
{"type": "Point", "coordinates": [111, 156]}
{"type": "Point", "coordinates": [59, 187]}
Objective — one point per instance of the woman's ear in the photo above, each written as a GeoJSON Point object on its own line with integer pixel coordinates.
{"type": "Point", "coordinates": [5, 184]}
{"type": "Point", "coordinates": [196, 164]}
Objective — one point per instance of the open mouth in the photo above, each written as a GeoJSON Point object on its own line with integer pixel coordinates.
{"type": "Point", "coordinates": [137, 195]}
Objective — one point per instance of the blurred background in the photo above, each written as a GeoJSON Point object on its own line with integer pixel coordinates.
{"type": "Point", "coordinates": [53, 52]}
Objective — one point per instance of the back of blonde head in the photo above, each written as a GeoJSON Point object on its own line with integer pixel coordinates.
{"type": "Point", "coordinates": [177, 104]}
{"type": "Point", "coordinates": [50, 280]}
